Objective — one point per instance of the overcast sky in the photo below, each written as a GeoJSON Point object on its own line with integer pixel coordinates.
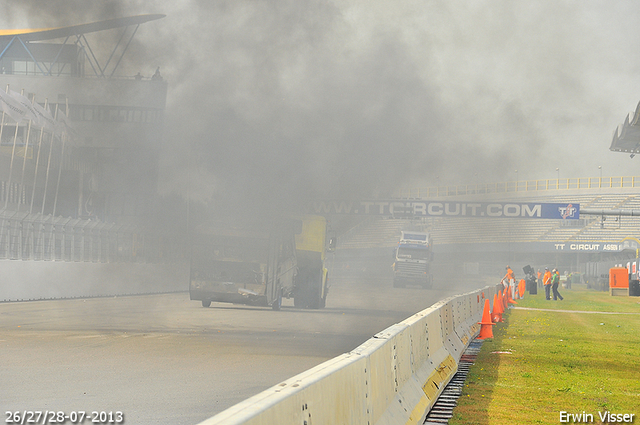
{"type": "Point", "coordinates": [297, 98]}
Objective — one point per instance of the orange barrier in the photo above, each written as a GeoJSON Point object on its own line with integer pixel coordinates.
{"type": "Point", "coordinates": [619, 281]}
{"type": "Point", "coordinates": [521, 288]}
{"type": "Point", "coordinates": [486, 330]}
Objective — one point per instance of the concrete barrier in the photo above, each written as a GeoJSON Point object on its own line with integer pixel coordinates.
{"type": "Point", "coordinates": [393, 378]}
{"type": "Point", "coordinates": [25, 280]}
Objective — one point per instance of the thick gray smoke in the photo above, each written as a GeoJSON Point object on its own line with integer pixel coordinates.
{"type": "Point", "coordinates": [280, 100]}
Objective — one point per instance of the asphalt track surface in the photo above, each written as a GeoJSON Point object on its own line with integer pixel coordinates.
{"type": "Point", "coordinates": [163, 359]}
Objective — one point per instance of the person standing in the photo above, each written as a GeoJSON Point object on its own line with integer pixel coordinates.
{"type": "Point", "coordinates": [546, 281]}
{"type": "Point", "coordinates": [554, 285]}
{"type": "Point", "coordinates": [156, 75]}
{"type": "Point", "coordinates": [539, 279]}
{"type": "Point", "coordinates": [510, 278]}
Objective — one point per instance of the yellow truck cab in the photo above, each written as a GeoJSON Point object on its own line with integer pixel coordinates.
{"type": "Point", "coordinates": [312, 244]}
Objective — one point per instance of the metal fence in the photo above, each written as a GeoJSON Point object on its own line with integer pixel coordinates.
{"type": "Point", "coordinates": [25, 236]}
{"type": "Point", "coordinates": [523, 186]}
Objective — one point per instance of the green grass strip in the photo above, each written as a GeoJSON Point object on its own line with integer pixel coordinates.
{"type": "Point", "coordinates": [577, 358]}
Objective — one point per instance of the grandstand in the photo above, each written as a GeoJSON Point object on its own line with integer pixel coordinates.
{"type": "Point", "coordinates": [385, 231]}
{"type": "Point", "coordinates": [460, 230]}
{"type": "Point", "coordinates": [105, 162]}
{"type": "Point", "coordinates": [571, 245]}
{"type": "Point", "coordinates": [374, 233]}
{"type": "Point", "coordinates": [79, 205]}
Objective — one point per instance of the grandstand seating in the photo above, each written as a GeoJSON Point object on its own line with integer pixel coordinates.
{"type": "Point", "coordinates": [384, 232]}
{"type": "Point", "coordinates": [377, 233]}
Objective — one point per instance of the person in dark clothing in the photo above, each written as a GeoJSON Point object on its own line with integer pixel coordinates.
{"type": "Point", "coordinates": [156, 75]}
{"type": "Point", "coordinates": [555, 281]}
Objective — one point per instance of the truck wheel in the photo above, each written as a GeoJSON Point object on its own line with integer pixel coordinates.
{"type": "Point", "coordinates": [398, 284]}
{"type": "Point", "coordinates": [315, 290]}
{"type": "Point", "coordinates": [277, 303]}
{"type": "Point", "coordinates": [206, 303]}
{"type": "Point", "coordinates": [300, 296]}
{"type": "Point", "coordinates": [429, 283]}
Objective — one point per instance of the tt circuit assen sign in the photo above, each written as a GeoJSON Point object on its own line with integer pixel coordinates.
{"type": "Point", "coordinates": [399, 208]}
{"type": "Point", "coordinates": [624, 244]}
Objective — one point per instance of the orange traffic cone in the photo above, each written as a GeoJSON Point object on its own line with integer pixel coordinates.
{"type": "Point", "coordinates": [486, 331]}
{"type": "Point", "coordinates": [521, 288]}
{"type": "Point", "coordinates": [510, 300]}
{"type": "Point", "coordinates": [497, 308]}
{"type": "Point", "coordinates": [505, 303]}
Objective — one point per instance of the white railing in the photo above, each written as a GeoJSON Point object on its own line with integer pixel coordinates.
{"type": "Point", "coordinates": [522, 186]}
{"type": "Point", "coordinates": [25, 236]}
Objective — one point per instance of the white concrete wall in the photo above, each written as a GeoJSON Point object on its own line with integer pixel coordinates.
{"type": "Point", "coordinates": [393, 378]}
{"type": "Point", "coordinates": [23, 280]}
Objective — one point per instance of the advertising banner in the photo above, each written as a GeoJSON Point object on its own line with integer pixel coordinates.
{"type": "Point", "coordinates": [403, 208]}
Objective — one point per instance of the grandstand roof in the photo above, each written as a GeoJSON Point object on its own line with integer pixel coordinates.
{"type": "Point", "coordinates": [626, 138]}
{"type": "Point", "coordinates": [48, 58]}
{"type": "Point", "coordinates": [61, 32]}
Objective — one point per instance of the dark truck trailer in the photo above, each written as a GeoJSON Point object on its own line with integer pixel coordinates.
{"type": "Point", "coordinates": [244, 263]}
{"type": "Point", "coordinates": [412, 260]}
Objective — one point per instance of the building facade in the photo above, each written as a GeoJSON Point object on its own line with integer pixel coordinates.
{"type": "Point", "coordinates": [107, 166]}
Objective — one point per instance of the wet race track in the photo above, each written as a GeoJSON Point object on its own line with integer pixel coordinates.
{"type": "Point", "coordinates": [163, 359]}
